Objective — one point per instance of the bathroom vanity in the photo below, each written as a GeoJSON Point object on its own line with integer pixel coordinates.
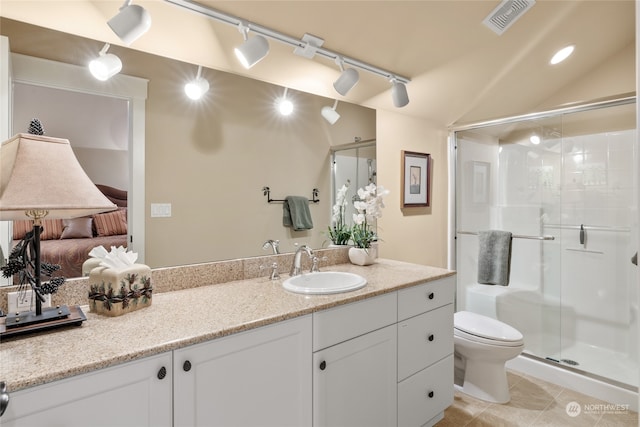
{"type": "Point", "coordinates": [249, 352]}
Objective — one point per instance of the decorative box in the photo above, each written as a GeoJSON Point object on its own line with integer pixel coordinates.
{"type": "Point", "coordinates": [114, 292]}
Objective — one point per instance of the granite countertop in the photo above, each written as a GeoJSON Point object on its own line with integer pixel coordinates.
{"type": "Point", "coordinates": [181, 318]}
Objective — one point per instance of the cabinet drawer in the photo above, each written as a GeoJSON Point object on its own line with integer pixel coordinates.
{"type": "Point", "coordinates": [339, 324]}
{"type": "Point", "coordinates": [422, 298]}
{"type": "Point", "coordinates": [424, 339]}
{"type": "Point", "coordinates": [426, 394]}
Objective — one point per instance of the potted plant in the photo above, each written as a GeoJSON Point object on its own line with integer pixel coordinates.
{"type": "Point", "coordinates": [369, 208]}
{"type": "Point", "coordinates": [338, 231]}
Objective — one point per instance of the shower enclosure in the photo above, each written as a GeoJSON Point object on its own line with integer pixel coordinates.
{"type": "Point", "coordinates": [564, 183]}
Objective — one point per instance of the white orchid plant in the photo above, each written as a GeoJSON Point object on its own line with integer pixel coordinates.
{"type": "Point", "coordinates": [369, 209]}
{"type": "Point", "coordinates": [339, 232]}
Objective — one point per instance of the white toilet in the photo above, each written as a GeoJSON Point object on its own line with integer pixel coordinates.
{"type": "Point", "coordinates": [482, 347]}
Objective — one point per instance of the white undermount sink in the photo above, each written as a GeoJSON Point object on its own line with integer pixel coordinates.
{"type": "Point", "coordinates": [324, 282]}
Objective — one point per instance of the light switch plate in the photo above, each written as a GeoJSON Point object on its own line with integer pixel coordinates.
{"type": "Point", "coordinates": [160, 210]}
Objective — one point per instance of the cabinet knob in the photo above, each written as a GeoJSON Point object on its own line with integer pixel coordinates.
{"type": "Point", "coordinates": [431, 337]}
{"type": "Point", "coordinates": [323, 365]}
{"type": "Point", "coordinates": [162, 373]}
{"type": "Point", "coordinates": [431, 394]}
{"type": "Point", "coordinates": [431, 295]}
{"type": "Point", "coordinates": [186, 366]}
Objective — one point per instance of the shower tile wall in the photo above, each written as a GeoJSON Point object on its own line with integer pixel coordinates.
{"type": "Point", "coordinates": [598, 190]}
{"type": "Point", "coordinates": [585, 288]}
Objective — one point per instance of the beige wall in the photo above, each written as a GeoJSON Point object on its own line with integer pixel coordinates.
{"type": "Point", "coordinates": [416, 234]}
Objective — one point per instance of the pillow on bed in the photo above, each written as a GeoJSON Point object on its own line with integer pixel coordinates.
{"type": "Point", "coordinates": [52, 229]}
{"type": "Point", "coordinates": [77, 228]}
{"type": "Point", "coordinates": [111, 223]}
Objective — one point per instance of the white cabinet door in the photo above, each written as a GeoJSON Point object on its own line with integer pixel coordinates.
{"type": "Point", "coordinates": [354, 383]}
{"type": "Point", "coordinates": [261, 377]}
{"type": "Point", "coordinates": [135, 394]}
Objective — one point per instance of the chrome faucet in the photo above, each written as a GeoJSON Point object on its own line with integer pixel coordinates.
{"type": "Point", "coordinates": [274, 245]}
{"type": "Point", "coordinates": [296, 270]}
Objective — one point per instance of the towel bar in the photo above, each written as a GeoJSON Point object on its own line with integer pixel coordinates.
{"type": "Point", "coordinates": [266, 191]}
{"type": "Point", "coordinates": [515, 236]}
{"type": "Point", "coordinates": [613, 229]}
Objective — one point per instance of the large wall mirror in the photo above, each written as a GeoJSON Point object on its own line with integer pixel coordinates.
{"type": "Point", "coordinates": [209, 160]}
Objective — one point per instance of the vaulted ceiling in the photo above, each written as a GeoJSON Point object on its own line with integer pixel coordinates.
{"type": "Point", "coordinates": [460, 70]}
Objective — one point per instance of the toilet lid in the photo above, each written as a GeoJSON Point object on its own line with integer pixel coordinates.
{"type": "Point", "coordinates": [485, 327]}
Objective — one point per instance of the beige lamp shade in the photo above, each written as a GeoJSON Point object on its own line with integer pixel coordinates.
{"type": "Point", "coordinates": [42, 173]}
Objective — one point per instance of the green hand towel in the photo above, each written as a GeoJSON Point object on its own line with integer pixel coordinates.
{"type": "Point", "coordinates": [296, 214]}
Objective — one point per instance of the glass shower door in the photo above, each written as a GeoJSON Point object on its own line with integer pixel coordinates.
{"type": "Point", "coordinates": [564, 184]}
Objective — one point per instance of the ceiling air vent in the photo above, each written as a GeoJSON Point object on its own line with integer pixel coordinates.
{"type": "Point", "coordinates": [507, 12]}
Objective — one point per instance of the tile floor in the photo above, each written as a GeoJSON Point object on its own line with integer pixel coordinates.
{"type": "Point", "coordinates": [535, 403]}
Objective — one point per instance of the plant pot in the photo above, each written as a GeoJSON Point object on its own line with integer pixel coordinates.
{"type": "Point", "coordinates": [360, 256]}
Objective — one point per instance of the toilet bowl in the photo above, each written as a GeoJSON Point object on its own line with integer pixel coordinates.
{"type": "Point", "coordinates": [482, 346]}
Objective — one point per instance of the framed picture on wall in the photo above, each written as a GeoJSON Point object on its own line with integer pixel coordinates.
{"type": "Point", "coordinates": [415, 179]}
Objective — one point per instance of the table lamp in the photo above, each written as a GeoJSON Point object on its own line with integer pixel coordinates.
{"type": "Point", "coordinates": [41, 177]}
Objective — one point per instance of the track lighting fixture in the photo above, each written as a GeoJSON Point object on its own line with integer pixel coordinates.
{"type": "Point", "coordinates": [399, 93]}
{"type": "Point", "coordinates": [347, 79]}
{"type": "Point", "coordinates": [131, 22]}
{"type": "Point", "coordinates": [284, 105]}
{"type": "Point", "coordinates": [106, 65]}
{"type": "Point", "coordinates": [256, 48]}
{"type": "Point", "coordinates": [252, 50]}
{"type": "Point", "coordinates": [330, 114]}
{"type": "Point", "coordinates": [197, 87]}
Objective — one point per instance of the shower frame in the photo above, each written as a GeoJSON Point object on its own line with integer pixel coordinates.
{"type": "Point", "coordinates": [624, 99]}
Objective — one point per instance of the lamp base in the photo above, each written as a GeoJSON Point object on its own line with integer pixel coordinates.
{"type": "Point", "coordinates": [51, 317]}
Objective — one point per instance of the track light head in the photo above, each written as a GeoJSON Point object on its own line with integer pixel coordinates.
{"type": "Point", "coordinates": [106, 65]}
{"type": "Point", "coordinates": [347, 80]}
{"type": "Point", "coordinates": [196, 88]}
{"type": "Point", "coordinates": [252, 50]}
{"type": "Point", "coordinates": [131, 22]}
{"type": "Point", "coordinates": [330, 114]}
{"type": "Point", "coordinates": [399, 93]}
{"type": "Point", "coordinates": [284, 105]}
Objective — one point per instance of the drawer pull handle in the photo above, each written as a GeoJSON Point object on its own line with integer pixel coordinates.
{"type": "Point", "coordinates": [162, 373]}
{"type": "Point", "coordinates": [431, 337]}
{"type": "Point", "coordinates": [431, 295]}
{"type": "Point", "coordinates": [323, 365]}
{"type": "Point", "coordinates": [431, 394]}
{"type": "Point", "coordinates": [186, 366]}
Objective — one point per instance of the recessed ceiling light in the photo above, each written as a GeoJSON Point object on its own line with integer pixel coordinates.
{"type": "Point", "coordinates": [562, 54]}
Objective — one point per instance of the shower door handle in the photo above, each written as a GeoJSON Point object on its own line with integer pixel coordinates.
{"type": "Point", "coordinates": [582, 234]}
{"type": "Point", "coordinates": [634, 259]}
